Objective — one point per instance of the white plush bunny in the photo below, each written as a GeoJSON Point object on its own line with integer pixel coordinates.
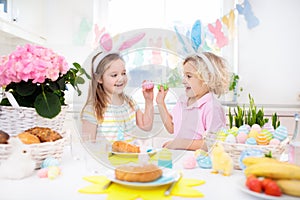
{"type": "Point", "coordinates": [19, 163]}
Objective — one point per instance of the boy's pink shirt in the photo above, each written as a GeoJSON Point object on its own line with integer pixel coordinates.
{"type": "Point", "coordinates": [205, 115]}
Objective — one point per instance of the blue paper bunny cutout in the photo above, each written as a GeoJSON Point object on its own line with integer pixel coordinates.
{"type": "Point", "coordinates": [251, 19]}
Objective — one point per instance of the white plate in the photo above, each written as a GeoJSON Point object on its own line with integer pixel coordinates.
{"type": "Point", "coordinates": [124, 154]}
{"type": "Point", "coordinates": [244, 188]}
{"type": "Point", "coordinates": [169, 176]}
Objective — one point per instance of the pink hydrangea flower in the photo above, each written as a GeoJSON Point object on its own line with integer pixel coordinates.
{"type": "Point", "coordinates": [32, 62]}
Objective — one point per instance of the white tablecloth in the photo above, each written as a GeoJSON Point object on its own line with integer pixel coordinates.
{"type": "Point", "coordinates": [65, 186]}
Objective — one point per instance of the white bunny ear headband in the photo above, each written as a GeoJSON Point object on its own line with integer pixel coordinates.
{"type": "Point", "coordinates": [107, 47]}
{"type": "Point", "coordinates": [196, 40]}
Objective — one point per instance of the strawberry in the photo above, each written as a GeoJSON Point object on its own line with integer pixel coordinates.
{"type": "Point", "coordinates": [249, 178]}
{"type": "Point", "coordinates": [273, 189]}
{"type": "Point", "coordinates": [265, 182]}
{"type": "Point", "coordinates": [254, 184]}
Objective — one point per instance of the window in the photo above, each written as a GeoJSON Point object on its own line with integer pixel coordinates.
{"type": "Point", "coordinates": [157, 63]}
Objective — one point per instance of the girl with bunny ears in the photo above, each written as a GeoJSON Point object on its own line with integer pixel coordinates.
{"type": "Point", "coordinates": [108, 109]}
{"type": "Point", "coordinates": [198, 111]}
{"type": "Point", "coordinates": [109, 112]}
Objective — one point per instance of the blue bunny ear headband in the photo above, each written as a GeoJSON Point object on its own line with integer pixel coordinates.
{"type": "Point", "coordinates": [107, 47]}
{"type": "Point", "coordinates": [196, 42]}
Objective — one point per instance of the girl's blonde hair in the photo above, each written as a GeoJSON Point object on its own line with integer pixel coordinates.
{"type": "Point", "coordinates": [217, 79]}
{"type": "Point", "coordinates": [97, 97]}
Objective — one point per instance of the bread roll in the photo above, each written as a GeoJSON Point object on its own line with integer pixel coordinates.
{"type": "Point", "coordinates": [3, 137]}
{"type": "Point", "coordinates": [28, 138]}
{"type": "Point", "coordinates": [138, 173]}
{"type": "Point", "coordinates": [45, 134]}
{"type": "Point", "coordinates": [121, 146]}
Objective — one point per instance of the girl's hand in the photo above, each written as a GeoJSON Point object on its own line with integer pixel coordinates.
{"type": "Point", "coordinates": [148, 90]}
{"type": "Point", "coordinates": [161, 95]}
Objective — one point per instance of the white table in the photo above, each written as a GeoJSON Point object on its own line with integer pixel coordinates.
{"type": "Point", "coordinates": [67, 184]}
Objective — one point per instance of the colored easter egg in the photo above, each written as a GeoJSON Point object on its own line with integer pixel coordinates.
{"type": "Point", "coordinates": [253, 133]}
{"type": "Point", "coordinates": [53, 172]}
{"type": "Point", "coordinates": [148, 85]}
{"type": "Point", "coordinates": [274, 142]}
{"type": "Point", "coordinates": [261, 139]}
{"type": "Point", "coordinates": [280, 133]}
{"type": "Point", "coordinates": [164, 85]}
{"type": "Point", "coordinates": [230, 139]}
{"type": "Point", "coordinates": [242, 137]}
{"type": "Point", "coordinates": [268, 134]}
{"type": "Point", "coordinates": [221, 135]}
{"type": "Point", "coordinates": [43, 173]}
{"type": "Point", "coordinates": [204, 162]}
{"type": "Point", "coordinates": [268, 126]}
{"type": "Point", "coordinates": [234, 131]}
{"type": "Point", "coordinates": [256, 127]}
{"type": "Point", "coordinates": [50, 161]}
{"type": "Point", "coordinates": [190, 162]}
{"type": "Point", "coordinates": [244, 128]}
{"type": "Point", "coordinates": [251, 141]}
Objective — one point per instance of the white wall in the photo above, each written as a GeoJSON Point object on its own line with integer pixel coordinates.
{"type": "Point", "coordinates": [269, 64]}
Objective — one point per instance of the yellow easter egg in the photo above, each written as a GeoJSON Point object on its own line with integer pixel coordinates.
{"type": "Point", "coordinates": [253, 133]}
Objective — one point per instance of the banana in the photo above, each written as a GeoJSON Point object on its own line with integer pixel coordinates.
{"type": "Point", "coordinates": [289, 187]}
{"type": "Point", "coordinates": [254, 160]}
{"type": "Point", "coordinates": [274, 170]}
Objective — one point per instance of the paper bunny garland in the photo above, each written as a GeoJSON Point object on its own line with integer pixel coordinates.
{"type": "Point", "coordinates": [107, 46]}
{"type": "Point", "coordinates": [246, 10]}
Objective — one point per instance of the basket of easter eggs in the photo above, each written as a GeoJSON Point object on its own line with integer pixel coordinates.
{"type": "Point", "coordinates": [250, 133]}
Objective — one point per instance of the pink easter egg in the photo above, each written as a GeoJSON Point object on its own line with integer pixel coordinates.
{"type": "Point", "coordinates": [42, 173]}
{"type": "Point", "coordinates": [242, 137]}
{"type": "Point", "coordinates": [148, 85]}
{"type": "Point", "coordinates": [274, 142]}
{"type": "Point", "coordinates": [256, 127]}
{"type": "Point", "coordinates": [190, 162]}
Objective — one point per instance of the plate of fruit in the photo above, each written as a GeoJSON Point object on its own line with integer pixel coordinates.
{"type": "Point", "coordinates": [268, 178]}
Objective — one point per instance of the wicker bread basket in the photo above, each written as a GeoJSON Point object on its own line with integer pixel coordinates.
{"type": "Point", "coordinates": [16, 120]}
{"type": "Point", "coordinates": [235, 149]}
{"type": "Point", "coordinates": [40, 151]}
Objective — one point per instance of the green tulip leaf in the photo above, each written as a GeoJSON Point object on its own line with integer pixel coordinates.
{"type": "Point", "coordinates": [47, 105]}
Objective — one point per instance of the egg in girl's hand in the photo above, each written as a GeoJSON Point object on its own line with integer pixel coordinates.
{"type": "Point", "coordinates": [148, 85]}
{"type": "Point", "coordinates": [164, 85]}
